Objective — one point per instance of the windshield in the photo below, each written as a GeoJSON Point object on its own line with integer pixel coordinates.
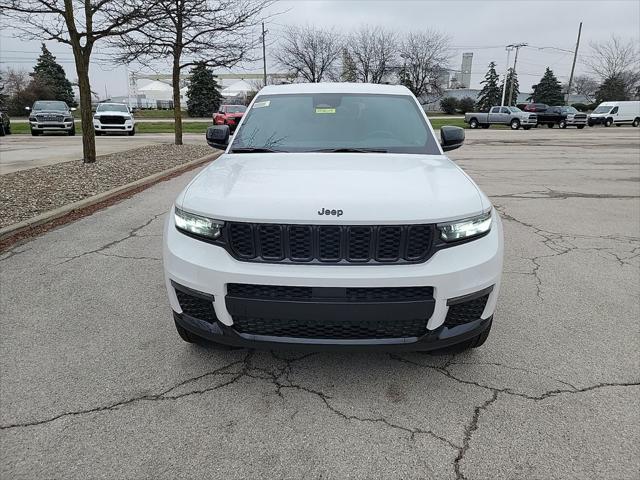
{"type": "Point", "coordinates": [602, 109]}
{"type": "Point", "coordinates": [236, 108]}
{"type": "Point", "coordinates": [112, 107]}
{"type": "Point", "coordinates": [49, 105]}
{"type": "Point", "coordinates": [514, 109]}
{"type": "Point", "coordinates": [327, 122]}
{"type": "Point", "coordinates": [569, 110]}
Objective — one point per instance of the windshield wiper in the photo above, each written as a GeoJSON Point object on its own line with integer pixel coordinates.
{"type": "Point", "coordinates": [253, 150]}
{"type": "Point", "coordinates": [351, 150]}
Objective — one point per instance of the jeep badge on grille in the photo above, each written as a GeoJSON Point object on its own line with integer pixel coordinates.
{"type": "Point", "coordinates": [326, 211]}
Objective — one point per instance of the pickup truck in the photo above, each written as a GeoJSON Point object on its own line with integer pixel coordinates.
{"type": "Point", "coordinates": [512, 116]}
{"type": "Point", "coordinates": [51, 116]}
{"type": "Point", "coordinates": [329, 223]}
{"type": "Point", "coordinates": [560, 115]}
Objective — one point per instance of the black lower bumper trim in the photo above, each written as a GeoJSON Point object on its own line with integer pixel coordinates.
{"type": "Point", "coordinates": [441, 337]}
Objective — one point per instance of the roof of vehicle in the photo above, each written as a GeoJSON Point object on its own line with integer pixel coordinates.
{"type": "Point", "coordinates": [335, 87]}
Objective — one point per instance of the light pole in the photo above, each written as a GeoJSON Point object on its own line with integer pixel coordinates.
{"type": "Point", "coordinates": [506, 71]}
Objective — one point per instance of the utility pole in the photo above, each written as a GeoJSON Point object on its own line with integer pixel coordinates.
{"type": "Point", "coordinates": [506, 71]}
{"type": "Point", "coordinates": [515, 62]}
{"type": "Point", "coordinates": [264, 56]}
{"type": "Point", "coordinates": [573, 66]}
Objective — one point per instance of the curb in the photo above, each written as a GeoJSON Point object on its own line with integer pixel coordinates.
{"type": "Point", "coordinates": [104, 197]}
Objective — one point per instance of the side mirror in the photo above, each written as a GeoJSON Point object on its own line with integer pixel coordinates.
{"type": "Point", "coordinates": [452, 138]}
{"type": "Point", "coordinates": [28, 109]}
{"type": "Point", "coordinates": [218, 136]}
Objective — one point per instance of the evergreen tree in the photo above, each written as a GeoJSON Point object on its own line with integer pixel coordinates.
{"type": "Point", "coordinates": [514, 89]}
{"type": "Point", "coordinates": [203, 92]}
{"type": "Point", "coordinates": [490, 94]}
{"type": "Point", "coordinates": [548, 90]}
{"type": "Point", "coordinates": [3, 96]}
{"type": "Point", "coordinates": [348, 67]}
{"type": "Point", "coordinates": [47, 72]}
{"type": "Point", "coordinates": [612, 89]}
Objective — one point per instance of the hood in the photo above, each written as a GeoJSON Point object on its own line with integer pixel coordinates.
{"type": "Point", "coordinates": [50, 112]}
{"type": "Point", "coordinates": [368, 188]}
{"type": "Point", "coordinates": [112, 113]}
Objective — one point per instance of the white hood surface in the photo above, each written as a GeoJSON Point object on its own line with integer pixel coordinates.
{"type": "Point", "coordinates": [369, 188]}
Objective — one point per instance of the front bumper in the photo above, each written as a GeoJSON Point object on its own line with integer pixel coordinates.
{"type": "Point", "coordinates": [453, 272]}
{"type": "Point", "coordinates": [596, 120]}
{"type": "Point", "coordinates": [106, 127]}
{"type": "Point", "coordinates": [574, 122]}
{"type": "Point", "coordinates": [52, 127]}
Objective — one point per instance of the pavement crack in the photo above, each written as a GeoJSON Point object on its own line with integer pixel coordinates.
{"type": "Point", "coordinates": [13, 253]}
{"type": "Point", "coordinates": [132, 233]}
{"type": "Point", "coordinates": [556, 194]}
{"type": "Point", "coordinates": [469, 430]}
{"type": "Point", "coordinates": [162, 395]}
{"type": "Point", "coordinates": [128, 257]}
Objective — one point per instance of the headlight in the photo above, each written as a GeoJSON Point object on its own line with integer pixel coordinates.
{"type": "Point", "coordinates": [68, 119]}
{"type": "Point", "coordinates": [33, 119]}
{"type": "Point", "coordinates": [466, 228]}
{"type": "Point", "coordinates": [126, 117]}
{"type": "Point", "coordinates": [96, 117]}
{"type": "Point", "coordinates": [198, 225]}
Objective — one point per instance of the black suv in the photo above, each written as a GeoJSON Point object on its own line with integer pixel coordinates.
{"type": "Point", "coordinates": [51, 116]}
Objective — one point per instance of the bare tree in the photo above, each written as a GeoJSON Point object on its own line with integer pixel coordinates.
{"type": "Point", "coordinates": [79, 24]}
{"type": "Point", "coordinates": [309, 52]}
{"type": "Point", "coordinates": [373, 50]}
{"type": "Point", "coordinates": [215, 33]}
{"type": "Point", "coordinates": [425, 56]}
{"type": "Point", "coordinates": [586, 86]}
{"type": "Point", "coordinates": [617, 59]}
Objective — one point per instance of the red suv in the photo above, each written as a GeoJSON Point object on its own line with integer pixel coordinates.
{"type": "Point", "coordinates": [229, 115]}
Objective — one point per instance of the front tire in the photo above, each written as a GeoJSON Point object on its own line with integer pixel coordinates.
{"type": "Point", "coordinates": [72, 132]}
{"type": "Point", "coordinates": [608, 122]}
{"type": "Point", "coordinates": [515, 124]}
{"type": "Point", "coordinates": [580, 127]}
{"type": "Point", "coordinates": [35, 133]}
{"type": "Point", "coordinates": [636, 122]}
{"type": "Point", "coordinates": [132, 132]}
{"type": "Point", "coordinates": [562, 124]}
{"type": "Point", "coordinates": [473, 123]}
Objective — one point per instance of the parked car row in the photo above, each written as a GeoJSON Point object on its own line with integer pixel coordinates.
{"type": "Point", "coordinates": [536, 114]}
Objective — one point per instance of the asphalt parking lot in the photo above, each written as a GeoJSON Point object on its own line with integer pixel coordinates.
{"type": "Point", "coordinates": [96, 383]}
{"type": "Point", "coordinates": [20, 152]}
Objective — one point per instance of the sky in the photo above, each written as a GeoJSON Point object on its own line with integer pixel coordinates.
{"type": "Point", "coordinates": [481, 27]}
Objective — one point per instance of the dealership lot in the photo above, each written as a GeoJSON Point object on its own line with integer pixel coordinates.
{"type": "Point", "coordinates": [20, 152]}
{"type": "Point", "coordinates": [97, 384]}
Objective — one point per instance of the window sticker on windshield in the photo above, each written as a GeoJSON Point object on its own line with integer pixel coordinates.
{"type": "Point", "coordinates": [325, 110]}
{"type": "Point", "coordinates": [264, 103]}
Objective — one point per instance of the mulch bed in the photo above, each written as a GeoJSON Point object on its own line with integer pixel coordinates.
{"type": "Point", "coordinates": [28, 193]}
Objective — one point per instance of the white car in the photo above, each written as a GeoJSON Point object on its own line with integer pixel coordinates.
{"type": "Point", "coordinates": [616, 113]}
{"type": "Point", "coordinates": [333, 219]}
{"type": "Point", "coordinates": [114, 117]}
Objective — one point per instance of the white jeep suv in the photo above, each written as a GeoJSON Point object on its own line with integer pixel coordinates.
{"type": "Point", "coordinates": [333, 219]}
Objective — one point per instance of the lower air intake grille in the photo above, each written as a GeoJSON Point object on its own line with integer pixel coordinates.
{"type": "Point", "coordinates": [196, 307]}
{"type": "Point", "coordinates": [466, 312]}
{"type": "Point", "coordinates": [330, 329]}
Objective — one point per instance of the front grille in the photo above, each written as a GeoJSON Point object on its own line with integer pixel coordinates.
{"type": "Point", "coordinates": [330, 243]}
{"type": "Point", "coordinates": [466, 312]}
{"type": "Point", "coordinates": [112, 119]}
{"type": "Point", "coordinates": [196, 307]}
{"type": "Point", "coordinates": [350, 294]}
{"type": "Point", "coordinates": [48, 117]}
{"type": "Point", "coordinates": [329, 329]}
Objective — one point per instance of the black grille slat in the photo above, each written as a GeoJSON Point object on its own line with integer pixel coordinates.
{"type": "Point", "coordinates": [112, 119]}
{"type": "Point", "coordinates": [351, 294]}
{"type": "Point", "coordinates": [270, 241]}
{"type": "Point", "coordinates": [330, 243]}
{"type": "Point", "coordinates": [196, 307]}
{"type": "Point", "coordinates": [241, 240]}
{"type": "Point", "coordinates": [466, 312]}
{"type": "Point", "coordinates": [300, 243]}
{"type": "Point", "coordinates": [359, 244]}
{"type": "Point", "coordinates": [330, 329]}
{"type": "Point", "coordinates": [389, 244]}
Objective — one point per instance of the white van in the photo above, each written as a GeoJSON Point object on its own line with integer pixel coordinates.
{"type": "Point", "coordinates": [616, 113]}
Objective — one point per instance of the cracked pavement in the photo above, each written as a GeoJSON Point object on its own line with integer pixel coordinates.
{"type": "Point", "coordinates": [95, 383]}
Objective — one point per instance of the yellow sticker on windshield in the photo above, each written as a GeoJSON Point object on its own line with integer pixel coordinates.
{"type": "Point", "coordinates": [325, 110]}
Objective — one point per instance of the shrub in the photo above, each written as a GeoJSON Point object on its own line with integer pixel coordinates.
{"type": "Point", "coordinates": [466, 104]}
{"type": "Point", "coordinates": [449, 105]}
